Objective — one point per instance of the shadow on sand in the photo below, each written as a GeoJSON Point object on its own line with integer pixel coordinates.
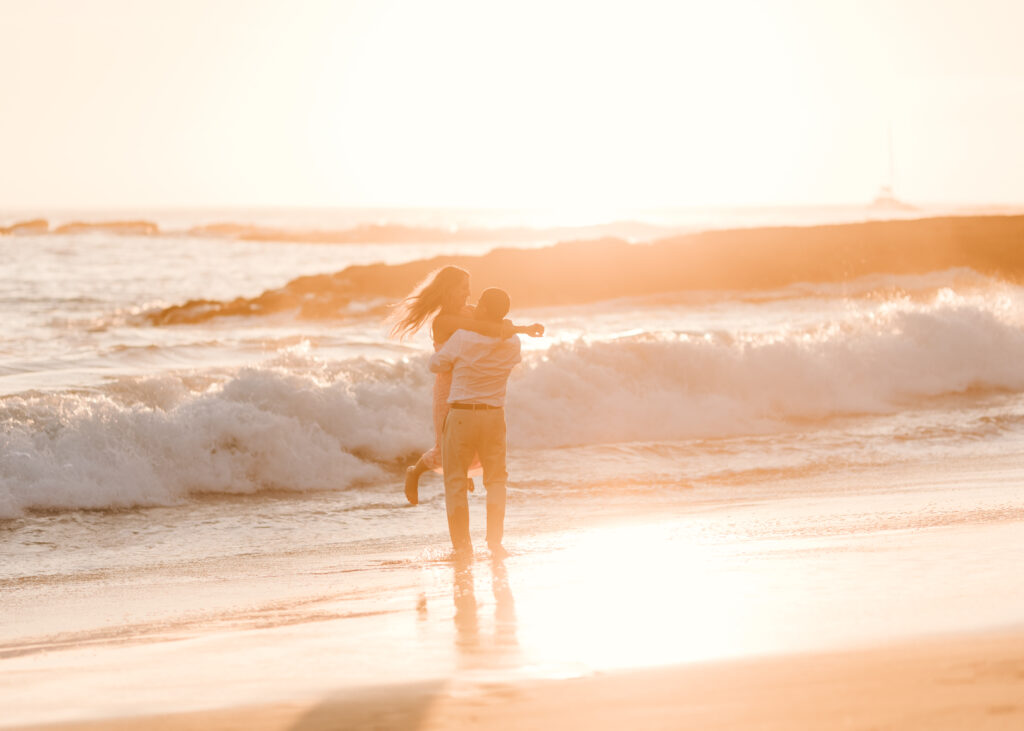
{"type": "Point", "coordinates": [408, 706]}
{"type": "Point", "coordinates": [381, 707]}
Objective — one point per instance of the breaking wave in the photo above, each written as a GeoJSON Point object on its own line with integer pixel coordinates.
{"type": "Point", "coordinates": [303, 424]}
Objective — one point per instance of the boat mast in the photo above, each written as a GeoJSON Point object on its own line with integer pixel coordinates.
{"type": "Point", "coordinates": [891, 183]}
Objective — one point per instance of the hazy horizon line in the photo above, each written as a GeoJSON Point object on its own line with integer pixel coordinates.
{"type": "Point", "coordinates": [511, 208]}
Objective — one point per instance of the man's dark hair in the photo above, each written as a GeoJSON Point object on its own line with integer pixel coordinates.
{"type": "Point", "coordinates": [493, 304]}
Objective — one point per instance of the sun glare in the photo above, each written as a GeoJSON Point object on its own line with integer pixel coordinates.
{"type": "Point", "coordinates": [564, 105]}
{"type": "Point", "coordinates": [639, 596]}
{"type": "Point", "coordinates": [575, 107]}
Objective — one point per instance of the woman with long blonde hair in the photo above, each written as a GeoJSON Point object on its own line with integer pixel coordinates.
{"type": "Point", "coordinates": [442, 296]}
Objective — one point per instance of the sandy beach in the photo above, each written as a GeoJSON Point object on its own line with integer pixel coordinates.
{"type": "Point", "coordinates": [957, 682]}
{"type": "Point", "coordinates": [802, 611]}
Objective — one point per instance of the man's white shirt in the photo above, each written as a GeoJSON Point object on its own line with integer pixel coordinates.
{"type": "Point", "coordinates": [480, 366]}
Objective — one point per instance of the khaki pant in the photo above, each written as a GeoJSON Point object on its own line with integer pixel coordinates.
{"type": "Point", "coordinates": [469, 433]}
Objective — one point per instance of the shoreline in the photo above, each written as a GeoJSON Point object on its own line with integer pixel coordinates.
{"type": "Point", "coordinates": [973, 680]}
{"type": "Point", "coordinates": [825, 593]}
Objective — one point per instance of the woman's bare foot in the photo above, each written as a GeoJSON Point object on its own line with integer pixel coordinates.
{"type": "Point", "coordinates": [412, 485]}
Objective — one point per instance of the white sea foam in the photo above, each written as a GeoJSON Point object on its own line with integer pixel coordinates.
{"type": "Point", "coordinates": [300, 424]}
{"type": "Point", "coordinates": [877, 361]}
{"type": "Point", "coordinates": [263, 429]}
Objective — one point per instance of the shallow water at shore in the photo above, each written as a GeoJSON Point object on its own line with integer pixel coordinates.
{"type": "Point", "coordinates": [589, 587]}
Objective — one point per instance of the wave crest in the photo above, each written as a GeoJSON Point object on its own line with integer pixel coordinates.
{"type": "Point", "coordinates": [309, 425]}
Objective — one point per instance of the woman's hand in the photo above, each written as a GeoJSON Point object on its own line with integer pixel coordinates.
{"type": "Point", "coordinates": [534, 331]}
{"type": "Point", "coordinates": [509, 328]}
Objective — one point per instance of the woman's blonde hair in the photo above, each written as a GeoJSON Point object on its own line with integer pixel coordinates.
{"type": "Point", "coordinates": [426, 298]}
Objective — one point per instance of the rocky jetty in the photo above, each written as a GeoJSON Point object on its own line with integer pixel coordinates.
{"type": "Point", "coordinates": [34, 226]}
{"type": "Point", "coordinates": [131, 228]}
{"type": "Point", "coordinates": [587, 271]}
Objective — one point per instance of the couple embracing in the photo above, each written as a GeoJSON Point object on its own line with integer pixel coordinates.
{"type": "Point", "coordinates": [476, 349]}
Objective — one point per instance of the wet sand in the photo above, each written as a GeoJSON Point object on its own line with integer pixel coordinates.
{"type": "Point", "coordinates": [891, 600]}
{"type": "Point", "coordinates": [958, 682]}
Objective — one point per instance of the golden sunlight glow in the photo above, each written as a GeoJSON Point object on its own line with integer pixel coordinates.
{"type": "Point", "coordinates": [566, 105]}
{"type": "Point", "coordinates": [636, 601]}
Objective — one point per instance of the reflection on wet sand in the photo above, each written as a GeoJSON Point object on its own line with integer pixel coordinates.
{"type": "Point", "coordinates": [466, 616]}
{"type": "Point", "coordinates": [505, 608]}
{"type": "Point", "coordinates": [467, 624]}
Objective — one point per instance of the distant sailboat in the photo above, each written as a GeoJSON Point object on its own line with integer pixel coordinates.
{"type": "Point", "coordinates": [886, 199]}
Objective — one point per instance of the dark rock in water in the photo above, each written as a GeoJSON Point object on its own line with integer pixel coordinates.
{"type": "Point", "coordinates": [588, 271]}
{"type": "Point", "coordinates": [225, 230]}
{"type": "Point", "coordinates": [42, 226]}
{"type": "Point", "coordinates": [35, 226]}
{"type": "Point", "coordinates": [134, 228]}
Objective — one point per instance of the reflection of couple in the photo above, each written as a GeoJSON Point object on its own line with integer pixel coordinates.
{"type": "Point", "coordinates": [476, 349]}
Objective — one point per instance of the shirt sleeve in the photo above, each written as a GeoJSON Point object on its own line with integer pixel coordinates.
{"type": "Point", "coordinates": [512, 348]}
{"type": "Point", "coordinates": [444, 359]}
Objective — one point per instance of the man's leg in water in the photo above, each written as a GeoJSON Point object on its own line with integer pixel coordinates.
{"type": "Point", "coordinates": [492, 448]}
{"type": "Point", "coordinates": [459, 446]}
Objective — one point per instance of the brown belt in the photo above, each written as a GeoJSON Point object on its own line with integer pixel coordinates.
{"type": "Point", "coordinates": [473, 406]}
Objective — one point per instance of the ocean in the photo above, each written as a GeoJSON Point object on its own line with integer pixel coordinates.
{"type": "Point", "coordinates": [178, 420]}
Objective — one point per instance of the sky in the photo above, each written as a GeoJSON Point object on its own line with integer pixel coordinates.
{"type": "Point", "coordinates": [470, 103]}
